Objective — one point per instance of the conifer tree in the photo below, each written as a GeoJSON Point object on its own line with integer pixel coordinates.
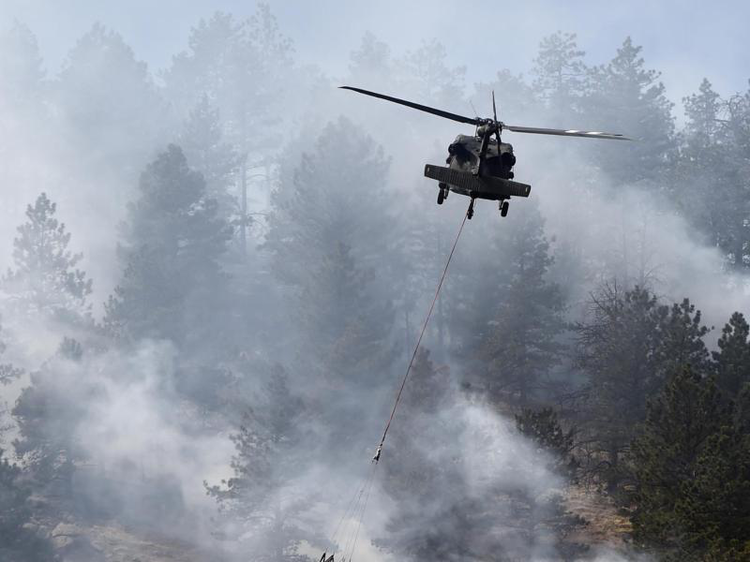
{"type": "Point", "coordinates": [331, 242]}
{"type": "Point", "coordinates": [692, 468]}
{"type": "Point", "coordinates": [733, 358]}
{"type": "Point", "coordinates": [202, 141]}
{"type": "Point", "coordinates": [45, 279]}
{"type": "Point", "coordinates": [108, 104]}
{"type": "Point", "coordinates": [560, 74]}
{"type": "Point", "coordinates": [626, 97]}
{"type": "Point", "coordinates": [48, 413]}
{"type": "Point", "coordinates": [523, 340]}
{"type": "Point", "coordinates": [614, 349]}
{"type": "Point", "coordinates": [172, 281]}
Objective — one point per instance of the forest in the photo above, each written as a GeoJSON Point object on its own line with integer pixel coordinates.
{"type": "Point", "coordinates": [212, 277]}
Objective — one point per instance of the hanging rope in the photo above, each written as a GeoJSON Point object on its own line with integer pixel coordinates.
{"type": "Point", "coordinates": [379, 450]}
{"type": "Point", "coordinates": [358, 503]}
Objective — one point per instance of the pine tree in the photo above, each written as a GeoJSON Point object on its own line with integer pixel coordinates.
{"type": "Point", "coordinates": [45, 279]}
{"type": "Point", "coordinates": [733, 358]}
{"type": "Point", "coordinates": [703, 182]}
{"type": "Point", "coordinates": [560, 74]}
{"type": "Point", "coordinates": [628, 349]}
{"type": "Point", "coordinates": [274, 513]}
{"type": "Point", "coordinates": [330, 240]}
{"type": "Point", "coordinates": [692, 468]}
{"type": "Point", "coordinates": [543, 427]}
{"type": "Point", "coordinates": [626, 97]}
{"type": "Point", "coordinates": [172, 282]}
{"type": "Point", "coordinates": [108, 105]}
{"type": "Point", "coordinates": [523, 339]}
{"type": "Point", "coordinates": [680, 337]}
{"type": "Point", "coordinates": [614, 349]}
{"type": "Point", "coordinates": [202, 141]}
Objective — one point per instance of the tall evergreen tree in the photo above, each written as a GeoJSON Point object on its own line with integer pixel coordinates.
{"type": "Point", "coordinates": [692, 468]}
{"type": "Point", "coordinates": [560, 74]}
{"type": "Point", "coordinates": [330, 234]}
{"type": "Point", "coordinates": [733, 358]}
{"type": "Point", "coordinates": [523, 340]}
{"type": "Point", "coordinates": [626, 97]}
{"type": "Point", "coordinates": [45, 279]}
{"type": "Point", "coordinates": [202, 141]}
{"type": "Point", "coordinates": [172, 281]}
{"type": "Point", "coordinates": [108, 105]}
{"type": "Point", "coordinates": [628, 348]}
{"type": "Point", "coordinates": [703, 181]}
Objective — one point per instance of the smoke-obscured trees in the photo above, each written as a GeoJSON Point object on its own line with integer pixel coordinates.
{"type": "Point", "coordinates": [171, 246]}
{"type": "Point", "coordinates": [45, 281]}
{"type": "Point", "coordinates": [18, 540]}
{"type": "Point", "coordinates": [560, 75]}
{"type": "Point", "coordinates": [202, 141]}
{"type": "Point", "coordinates": [626, 97]}
{"type": "Point", "coordinates": [265, 497]}
{"type": "Point", "coordinates": [329, 239]}
{"type": "Point", "coordinates": [108, 105]}
{"type": "Point", "coordinates": [627, 348]}
{"type": "Point", "coordinates": [48, 412]}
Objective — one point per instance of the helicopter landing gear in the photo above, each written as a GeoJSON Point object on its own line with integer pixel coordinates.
{"type": "Point", "coordinates": [470, 212]}
{"type": "Point", "coordinates": [442, 194]}
{"type": "Point", "coordinates": [503, 206]}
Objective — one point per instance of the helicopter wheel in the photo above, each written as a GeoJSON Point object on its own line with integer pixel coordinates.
{"type": "Point", "coordinates": [504, 208]}
{"type": "Point", "coordinates": [441, 197]}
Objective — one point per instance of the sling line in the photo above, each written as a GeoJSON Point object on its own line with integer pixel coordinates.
{"type": "Point", "coordinates": [379, 450]}
{"type": "Point", "coordinates": [358, 503]}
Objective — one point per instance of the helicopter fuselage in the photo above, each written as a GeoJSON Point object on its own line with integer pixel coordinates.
{"type": "Point", "coordinates": [480, 168]}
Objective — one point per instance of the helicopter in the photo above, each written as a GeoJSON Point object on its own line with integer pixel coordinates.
{"type": "Point", "coordinates": [479, 166]}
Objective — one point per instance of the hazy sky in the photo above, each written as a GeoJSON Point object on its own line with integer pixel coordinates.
{"type": "Point", "coordinates": [687, 40]}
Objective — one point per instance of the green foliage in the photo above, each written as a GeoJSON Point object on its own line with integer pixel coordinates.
{"type": "Point", "coordinates": [692, 467]}
{"type": "Point", "coordinates": [507, 317]}
{"type": "Point", "coordinates": [542, 427]}
{"type": "Point", "coordinates": [627, 348]}
{"type": "Point", "coordinates": [733, 358]}
{"type": "Point", "coordinates": [45, 279]}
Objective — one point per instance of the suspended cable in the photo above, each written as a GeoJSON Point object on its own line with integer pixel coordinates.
{"type": "Point", "coordinates": [357, 506]}
{"type": "Point", "coordinates": [379, 450]}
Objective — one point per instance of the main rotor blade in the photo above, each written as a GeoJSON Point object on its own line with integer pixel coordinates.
{"type": "Point", "coordinates": [566, 132]}
{"type": "Point", "coordinates": [438, 112]}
